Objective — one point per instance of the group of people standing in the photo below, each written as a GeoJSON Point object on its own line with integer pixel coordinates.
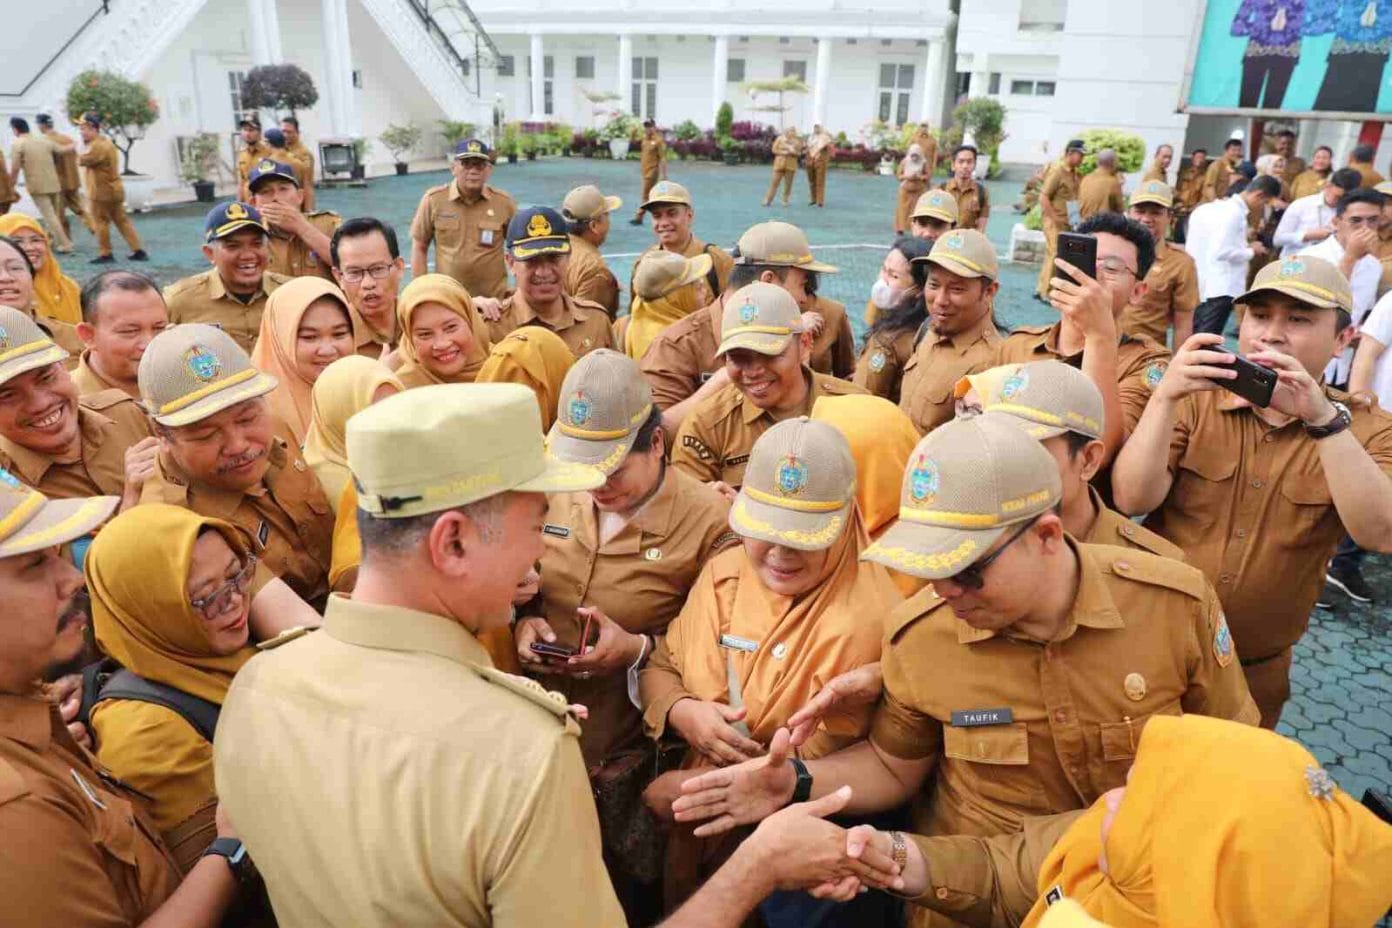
{"type": "Point", "coordinates": [472, 602]}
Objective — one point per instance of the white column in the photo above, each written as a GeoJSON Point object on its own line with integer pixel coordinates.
{"type": "Point", "coordinates": [259, 34]}
{"type": "Point", "coordinates": [819, 81]}
{"type": "Point", "coordinates": [329, 85]}
{"type": "Point", "coordinates": [538, 79]}
{"type": "Point", "coordinates": [720, 67]}
{"type": "Point", "coordinates": [272, 20]}
{"type": "Point", "coordinates": [932, 108]}
{"type": "Point", "coordinates": [347, 99]}
{"type": "Point", "coordinates": [625, 88]}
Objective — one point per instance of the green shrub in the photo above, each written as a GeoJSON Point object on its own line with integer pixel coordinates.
{"type": "Point", "coordinates": [1129, 147]}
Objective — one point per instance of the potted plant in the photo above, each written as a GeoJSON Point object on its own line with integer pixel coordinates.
{"type": "Point", "coordinates": [279, 87]}
{"type": "Point", "coordinates": [730, 150]}
{"type": "Point", "coordinates": [360, 149]}
{"type": "Point", "coordinates": [399, 140]}
{"type": "Point", "coordinates": [511, 143]}
{"type": "Point", "coordinates": [619, 132]}
{"type": "Point", "coordinates": [454, 131]}
{"type": "Point", "coordinates": [199, 163]}
{"type": "Point", "coordinates": [531, 144]}
{"type": "Point", "coordinates": [127, 109]}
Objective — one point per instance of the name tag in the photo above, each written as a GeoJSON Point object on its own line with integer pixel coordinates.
{"type": "Point", "coordinates": [485, 236]}
{"type": "Point", "coordinates": [736, 643]}
{"type": "Point", "coordinates": [975, 718]}
{"type": "Point", "coordinates": [557, 531]}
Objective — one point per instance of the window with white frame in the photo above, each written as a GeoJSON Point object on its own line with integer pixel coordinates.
{"type": "Point", "coordinates": [896, 86]}
{"type": "Point", "coordinates": [645, 87]}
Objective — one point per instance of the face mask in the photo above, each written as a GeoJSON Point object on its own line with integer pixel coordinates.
{"type": "Point", "coordinates": [885, 295]}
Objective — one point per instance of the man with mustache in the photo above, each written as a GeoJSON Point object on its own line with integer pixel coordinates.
{"type": "Point", "coordinates": [223, 454]}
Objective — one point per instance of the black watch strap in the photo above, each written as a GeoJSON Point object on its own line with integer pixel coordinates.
{"type": "Point", "coordinates": [1342, 420]}
{"type": "Point", "coordinates": [234, 852]}
{"type": "Point", "coordinates": [802, 790]}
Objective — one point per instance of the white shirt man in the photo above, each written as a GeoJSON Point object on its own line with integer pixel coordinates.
{"type": "Point", "coordinates": [1307, 215]}
{"type": "Point", "coordinates": [1217, 241]}
{"type": "Point", "coordinates": [1373, 368]}
{"type": "Point", "coordinates": [1364, 283]}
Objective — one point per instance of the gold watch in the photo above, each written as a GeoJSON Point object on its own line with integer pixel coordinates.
{"type": "Point", "coordinates": [899, 850]}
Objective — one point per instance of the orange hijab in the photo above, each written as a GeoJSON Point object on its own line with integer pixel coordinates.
{"type": "Point", "coordinates": [827, 631]}
{"type": "Point", "coordinates": [1224, 824]}
{"type": "Point", "coordinates": [274, 353]}
{"type": "Point", "coordinates": [450, 293]}
{"type": "Point", "coordinates": [56, 295]}
{"type": "Point", "coordinates": [536, 358]}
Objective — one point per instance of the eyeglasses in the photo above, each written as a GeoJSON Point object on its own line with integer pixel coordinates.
{"type": "Point", "coordinates": [220, 600]}
{"type": "Point", "coordinates": [356, 274]}
{"type": "Point", "coordinates": [971, 578]}
{"type": "Point", "coordinates": [1115, 267]}
{"type": "Point", "coordinates": [14, 269]}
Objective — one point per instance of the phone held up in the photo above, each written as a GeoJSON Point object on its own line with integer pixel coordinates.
{"type": "Point", "coordinates": [1079, 251]}
{"type": "Point", "coordinates": [560, 651]}
{"type": "Point", "coordinates": [1253, 383]}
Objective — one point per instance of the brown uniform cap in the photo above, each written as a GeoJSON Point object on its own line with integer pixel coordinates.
{"type": "Point", "coordinates": [778, 244]}
{"type": "Point", "coordinates": [30, 521]}
{"type": "Point", "coordinates": [1047, 398]}
{"type": "Point", "coordinates": [189, 372]}
{"type": "Point", "coordinates": [666, 192]}
{"type": "Point", "coordinates": [966, 253]}
{"type": "Point", "coordinates": [604, 401]}
{"type": "Point", "coordinates": [798, 486]}
{"type": "Point", "coordinates": [24, 346]}
{"type": "Point", "coordinates": [1154, 191]}
{"type": "Point", "coordinates": [761, 317]}
{"type": "Point", "coordinates": [660, 272]}
{"type": "Point", "coordinates": [936, 204]}
{"type": "Point", "coordinates": [1305, 278]}
{"type": "Point", "coordinates": [588, 203]}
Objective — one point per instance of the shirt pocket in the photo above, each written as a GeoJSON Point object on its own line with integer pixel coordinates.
{"type": "Point", "coordinates": [1204, 487]}
{"type": "Point", "coordinates": [1000, 745]}
{"type": "Point", "coordinates": [1304, 503]}
{"type": "Point", "coordinates": [1119, 739]}
{"type": "Point", "coordinates": [489, 236]}
{"type": "Point", "coordinates": [448, 231]}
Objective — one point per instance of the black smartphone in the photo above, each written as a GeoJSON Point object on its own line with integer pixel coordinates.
{"type": "Point", "coordinates": [551, 650]}
{"type": "Point", "coordinates": [1253, 383]}
{"type": "Point", "coordinates": [1377, 803]}
{"type": "Point", "coordinates": [1079, 251]}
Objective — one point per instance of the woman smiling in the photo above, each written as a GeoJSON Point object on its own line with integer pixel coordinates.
{"type": "Point", "coordinates": [443, 340]}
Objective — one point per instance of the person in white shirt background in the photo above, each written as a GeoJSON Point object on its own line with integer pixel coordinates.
{"type": "Point", "coordinates": [1217, 241]}
{"type": "Point", "coordinates": [1353, 249]}
{"type": "Point", "coordinates": [1310, 220]}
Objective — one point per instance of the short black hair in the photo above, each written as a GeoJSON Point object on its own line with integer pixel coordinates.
{"type": "Point", "coordinates": [292, 120]}
{"type": "Point", "coordinates": [1271, 186]}
{"type": "Point", "coordinates": [1246, 168]}
{"type": "Point", "coordinates": [44, 119]}
{"type": "Point", "coordinates": [1286, 133]}
{"type": "Point", "coordinates": [359, 226]}
{"type": "Point", "coordinates": [1321, 148]}
{"type": "Point", "coordinates": [1362, 153]}
{"type": "Point", "coordinates": [1361, 195]}
{"type": "Point", "coordinates": [1127, 228]}
{"type": "Point", "coordinates": [27, 263]}
{"type": "Point", "coordinates": [1231, 142]}
{"type": "Point", "coordinates": [742, 275]}
{"type": "Point", "coordinates": [914, 250]}
{"type": "Point", "coordinates": [128, 281]}
{"type": "Point", "coordinates": [1199, 151]}
{"type": "Point", "coordinates": [19, 124]}
{"type": "Point", "coordinates": [647, 432]}
{"type": "Point", "coordinates": [1346, 179]}
{"type": "Point", "coordinates": [964, 147]}
{"type": "Point", "coordinates": [1075, 442]}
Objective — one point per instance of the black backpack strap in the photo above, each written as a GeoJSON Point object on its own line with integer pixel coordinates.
{"type": "Point", "coordinates": [198, 712]}
{"type": "Point", "coordinates": [712, 278]}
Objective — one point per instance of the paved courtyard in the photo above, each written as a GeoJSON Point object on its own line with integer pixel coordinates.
{"type": "Point", "coordinates": [1342, 681]}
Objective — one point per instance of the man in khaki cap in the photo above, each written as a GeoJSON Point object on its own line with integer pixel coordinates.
{"type": "Point", "coordinates": [933, 214]}
{"type": "Point", "coordinates": [1258, 498]}
{"type": "Point", "coordinates": [1172, 285]}
{"type": "Point", "coordinates": [1060, 408]}
{"type": "Point", "coordinates": [467, 221]}
{"type": "Point", "coordinates": [222, 453]}
{"type": "Point", "coordinates": [65, 446]}
{"type": "Point", "coordinates": [587, 215]}
{"type": "Point", "coordinates": [1019, 681]}
{"type": "Point", "coordinates": [961, 333]}
{"type": "Point", "coordinates": [669, 204]}
{"type": "Point", "coordinates": [767, 349]}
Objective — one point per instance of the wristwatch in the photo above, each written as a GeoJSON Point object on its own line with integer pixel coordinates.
{"type": "Point", "coordinates": [899, 850]}
{"type": "Point", "coordinates": [1342, 420]}
{"type": "Point", "coordinates": [802, 791]}
{"type": "Point", "coordinates": [234, 852]}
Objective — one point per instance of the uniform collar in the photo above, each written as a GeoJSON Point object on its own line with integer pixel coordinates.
{"type": "Point", "coordinates": [653, 519]}
{"type": "Point", "coordinates": [751, 413]}
{"type": "Point", "coordinates": [84, 367]}
{"type": "Point", "coordinates": [955, 185]}
{"type": "Point", "coordinates": [457, 194]}
{"type": "Point", "coordinates": [217, 290]}
{"type": "Point", "coordinates": [393, 628]}
{"type": "Point", "coordinates": [215, 502]}
{"type": "Point", "coordinates": [527, 316]}
{"type": "Point", "coordinates": [961, 341]}
{"type": "Point", "coordinates": [32, 465]}
{"type": "Point", "coordinates": [27, 719]}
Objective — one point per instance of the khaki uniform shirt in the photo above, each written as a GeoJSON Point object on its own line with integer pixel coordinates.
{"type": "Point", "coordinates": [1294, 168]}
{"type": "Point", "coordinates": [721, 264]}
{"type": "Point", "coordinates": [639, 578]}
{"type": "Point", "coordinates": [7, 190]}
{"type": "Point", "coordinates": [68, 177]}
{"type": "Point", "coordinates": [203, 298]}
{"type": "Point", "coordinates": [1172, 286]}
{"type": "Point", "coordinates": [103, 164]}
{"type": "Point", "coordinates": [79, 848]}
{"type": "Point", "coordinates": [937, 364]}
{"type": "Point", "coordinates": [652, 151]}
{"type": "Point", "coordinates": [302, 160]}
{"type": "Point", "coordinates": [35, 156]}
{"type": "Point", "coordinates": [880, 369]}
{"type": "Point", "coordinates": [1100, 192]}
{"type": "Point", "coordinates": [682, 357]}
{"type": "Point", "coordinates": [1140, 364]}
{"type": "Point", "coordinates": [1217, 179]}
{"type": "Point", "coordinates": [468, 235]}
{"type": "Point", "coordinates": [785, 154]}
{"type": "Point", "coordinates": [1251, 507]}
{"type": "Point", "coordinates": [583, 326]}
{"type": "Point", "coordinates": [288, 514]}
{"type": "Point", "coordinates": [247, 158]}
{"type": "Point", "coordinates": [433, 789]}
{"type": "Point", "coordinates": [973, 202]}
{"type": "Point", "coordinates": [109, 423]}
{"type": "Point", "coordinates": [1060, 185]}
{"type": "Point", "coordinates": [1112, 528]}
{"type": "Point", "coordinates": [89, 381]}
{"type": "Point", "coordinates": [291, 257]}
{"type": "Point", "coordinates": [1189, 188]}
{"type": "Point", "coordinates": [1155, 172]}
{"type": "Point", "coordinates": [1308, 182]}
{"type": "Point", "coordinates": [589, 278]}
{"type": "Point", "coordinates": [833, 350]}
{"type": "Point", "coordinates": [925, 141]}
{"type": "Point", "coordinates": [1370, 175]}
{"type": "Point", "coordinates": [1019, 727]}
{"type": "Point", "coordinates": [715, 439]}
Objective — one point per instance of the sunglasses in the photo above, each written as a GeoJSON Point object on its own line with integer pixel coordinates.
{"type": "Point", "coordinates": [971, 577]}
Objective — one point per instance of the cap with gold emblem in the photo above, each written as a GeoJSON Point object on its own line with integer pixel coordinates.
{"type": "Point", "coordinates": [472, 150]}
{"type": "Point", "coordinates": [268, 168]}
{"type": "Point", "coordinates": [191, 371]}
{"type": "Point", "coordinates": [1304, 278]}
{"type": "Point", "coordinates": [420, 451]}
{"type": "Point", "coordinates": [24, 346]}
{"type": "Point", "coordinates": [227, 218]}
{"type": "Point", "coordinates": [761, 317]}
{"type": "Point", "coordinates": [798, 487]}
{"type": "Point", "coordinates": [976, 388]}
{"type": "Point", "coordinates": [778, 244]}
{"type": "Point", "coordinates": [667, 192]}
{"type": "Point", "coordinates": [1384, 188]}
{"type": "Point", "coordinates": [1154, 191]}
{"type": "Point", "coordinates": [966, 482]}
{"type": "Point", "coordinates": [604, 402]}
{"type": "Point", "coordinates": [936, 204]}
{"type": "Point", "coordinates": [660, 272]}
{"type": "Point", "coordinates": [1047, 398]}
{"type": "Point", "coordinates": [537, 230]}
{"type": "Point", "coordinates": [966, 253]}
{"type": "Point", "coordinates": [588, 203]}
{"type": "Point", "coordinates": [30, 521]}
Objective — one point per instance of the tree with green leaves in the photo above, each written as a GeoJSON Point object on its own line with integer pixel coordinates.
{"type": "Point", "coordinates": [126, 108]}
{"type": "Point", "coordinates": [279, 87]}
{"type": "Point", "coordinates": [400, 139]}
{"type": "Point", "coordinates": [781, 88]}
{"type": "Point", "coordinates": [1130, 149]}
{"type": "Point", "coordinates": [984, 119]}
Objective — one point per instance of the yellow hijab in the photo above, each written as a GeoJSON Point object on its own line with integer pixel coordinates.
{"type": "Point", "coordinates": [445, 290]}
{"type": "Point", "coordinates": [56, 295]}
{"type": "Point", "coordinates": [1223, 824]}
{"type": "Point", "coordinates": [649, 317]}
{"type": "Point", "coordinates": [345, 388]}
{"type": "Point", "coordinates": [536, 358]}
{"type": "Point", "coordinates": [137, 575]}
{"type": "Point", "coordinates": [274, 353]}
{"type": "Point", "coordinates": [882, 438]}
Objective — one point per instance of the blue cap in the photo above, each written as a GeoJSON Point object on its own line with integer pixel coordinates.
{"type": "Point", "coordinates": [275, 137]}
{"type": "Point", "coordinates": [227, 218]}
{"type": "Point", "coordinates": [472, 149]}
{"type": "Point", "coordinates": [268, 168]}
{"type": "Point", "coordinates": [537, 230]}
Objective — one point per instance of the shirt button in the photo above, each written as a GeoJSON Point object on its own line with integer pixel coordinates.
{"type": "Point", "coordinates": [942, 892]}
{"type": "Point", "coordinates": [1268, 438]}
{"type": "Point", "coordinates": [1242, 533]}
{"type": "Point", "coordinates": [1122, 566]}
{"type": "Point", "coordinates": [1256, 484]}
{"type": "Point", "coordinates": [1225, 578]}
{"type": "Point", "coordinates": [1060, 716]}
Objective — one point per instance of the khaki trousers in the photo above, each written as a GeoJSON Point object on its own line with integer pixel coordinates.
{"type": "Point", "coordinates": [816, 183]}
{"type": "Point", "coordinates": [1051, 232]}
{"type": "Point", "coordinates": [50, 205]}
{"type": "Point", "coordinates": [786, 179]}
{"type": "Point", "coordinates": [106, 212]}
{"type": "Point", "coordinates": [1269, 681]}
{"type": "Point", "coordinates": [72, 200]}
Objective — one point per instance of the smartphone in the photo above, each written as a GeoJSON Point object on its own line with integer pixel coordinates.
{"type": "Point", "coordinates": [1079, 251]}
{"type": "Point", "coordinates": [547, 649]}
{"type": "Point", "coordinates": [1253, 383]}
{"type": "Point", "coordinates": [1378, 803]}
